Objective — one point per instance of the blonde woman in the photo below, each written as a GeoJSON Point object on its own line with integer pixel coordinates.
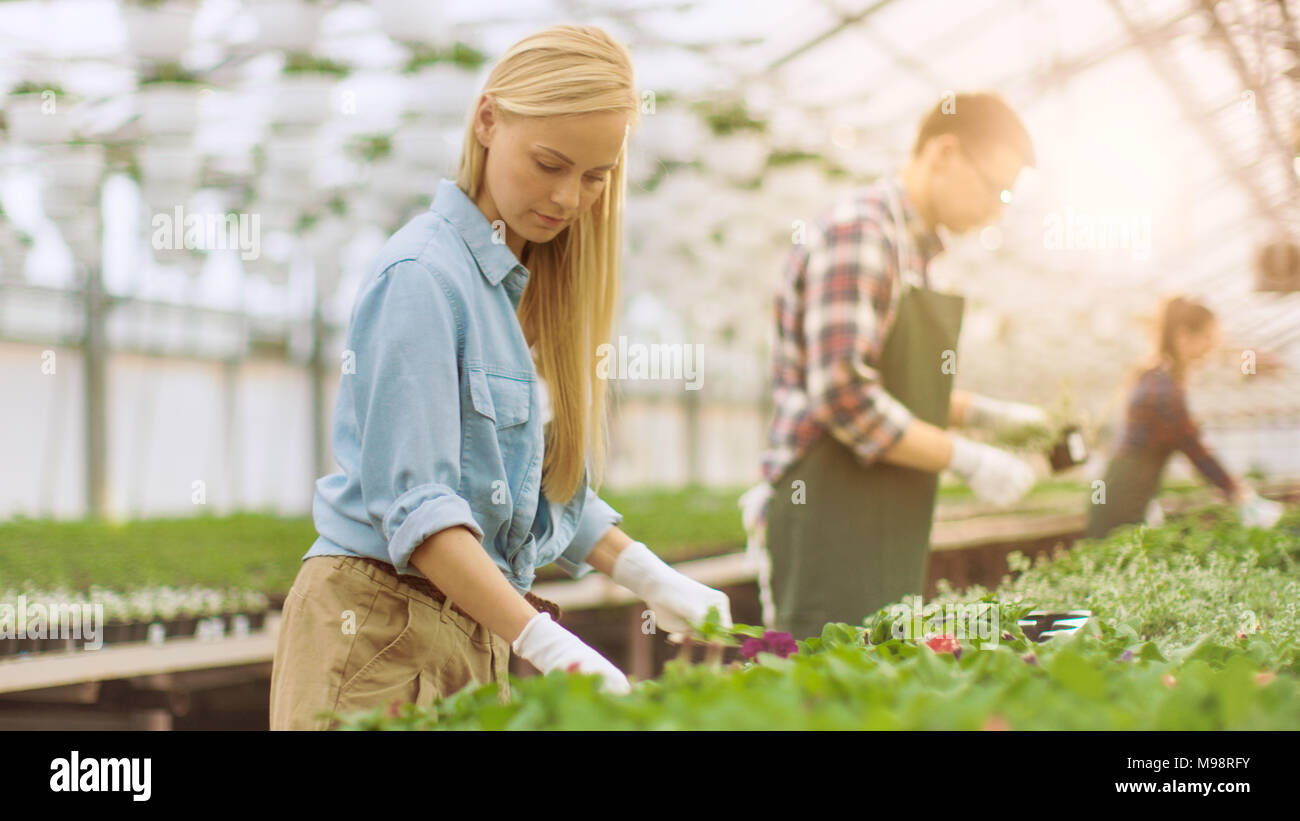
{"type": "Point", "coordinates": [466, 427]}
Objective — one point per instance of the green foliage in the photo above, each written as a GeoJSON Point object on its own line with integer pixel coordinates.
{"type": "Point", "coordinates": [247, 550]}
{"type": "Point", "coordinates": [169, 73]}
{"type": "Point", "coordinates": [1165, 651]}
{"type": "Point", "coordinates": [299, 63]}
{"type": "Point", "coordinates": [423, 54]}
{"type": "Point", "coordinates": [371, 147]}
{"type": "Point", "coordinates": [839, 684]}
{"type": "Point", "coordinates": [1202, 576]}
{"type": "Point", "coordinates": [726, 118]}
{"type": "Point", "coordinates": [27, 87]}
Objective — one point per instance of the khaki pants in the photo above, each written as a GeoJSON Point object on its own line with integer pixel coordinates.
{"type": "Point", "coordinates": [354, 638]}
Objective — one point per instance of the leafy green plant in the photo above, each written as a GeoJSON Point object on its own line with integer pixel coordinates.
{"type": "Point", "coordinates": [300, 63]}
{"type": "Point", "coordinates": [837, 683]}
{"type": "Point", "coordinates": [1165, 650]}
{"type": "Point", "coordinates": [726, 118]}
{"type": "Point", "coordinates": [461, 54]}
{"type": "Point", "coordinates": [169, 73]}
{"type": "Point", "coordinates": [370, 148]}
{"type": "Point", "coordinates": [28, 87]}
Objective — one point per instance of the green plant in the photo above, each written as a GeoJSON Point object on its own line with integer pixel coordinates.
{"type": "Point", "coordinates": [299, 63]}
{"type": "Point", "coordinates": [838, 682]}
{"type": "Point", "coordinates": [423, 54]}
{"type": "Point", "coordinates": [370, 148]}
{"type": "Point", "coordinates": [169, 73]}
{"type": "Point", "coordinates": [1166, 650]}
{"type": "Point", "coordinates": [28, 87]}
{"type": "Point", "coordinates": [726, 118]}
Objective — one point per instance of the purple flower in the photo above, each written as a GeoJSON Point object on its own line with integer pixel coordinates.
{"type": "Point", "coordinates": [1127, 655]}
{"type": "Point", "coordinates": [783, 644]}
{"type": "Point", "coordinates": [779, 644]}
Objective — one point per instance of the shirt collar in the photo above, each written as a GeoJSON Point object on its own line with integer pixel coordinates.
{"type": "Point", "coordinates": [495, 259]}
{"type": "Point", "coordinates": [927, 241]}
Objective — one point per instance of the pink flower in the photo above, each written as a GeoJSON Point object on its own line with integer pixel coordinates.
{"type": "Point", "coordinates": [779, 644]}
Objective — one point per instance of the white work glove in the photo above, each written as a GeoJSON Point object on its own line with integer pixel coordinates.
{"type": "Point", "coordinates": [994, 475]}
{"type": "Point", "coordinates": [998, 416]}
{"type": "Point", "coordinates": [751, 504]}
{"type": "Point", "coordinates": [548, 646]}
{"type": "Point", "coordinates": [1155, 515]}
{"type": "Point", "coordinates": [1256, 511]}
{"type": "Point", "coordinates": [676, 600]}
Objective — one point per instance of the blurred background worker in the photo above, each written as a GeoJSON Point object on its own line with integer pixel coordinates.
{"type": "Point", "coordinates": [1158, 424]}
{"type": "Point", "coordinates": [863, 372]}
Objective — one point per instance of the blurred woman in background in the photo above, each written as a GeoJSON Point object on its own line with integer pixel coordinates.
{"type": "Point", "coordinates": [1158, 424]}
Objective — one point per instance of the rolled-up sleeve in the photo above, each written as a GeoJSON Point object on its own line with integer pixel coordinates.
{"type": "Point", "coordinates": [404, 336]}
{"type": "Point", "coordinates": [848, 298]}
{"type": "Point", "coordinates": [597, 518]}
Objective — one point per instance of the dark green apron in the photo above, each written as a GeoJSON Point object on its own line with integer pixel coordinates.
{"type": "Point", "coordinates": [1132, 480]}
{"type": "Point", "coordinates": [860, 539]}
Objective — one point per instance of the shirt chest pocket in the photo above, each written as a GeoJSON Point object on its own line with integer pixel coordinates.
{"type": "Point", "coordinates": [503, 399]}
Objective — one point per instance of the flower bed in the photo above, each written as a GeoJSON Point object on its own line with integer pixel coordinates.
{"type": "Point", "coordinates": [1195, 627]}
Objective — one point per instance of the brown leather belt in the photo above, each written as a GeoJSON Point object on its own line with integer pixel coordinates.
{"type": "Point", "coordinates": [428, 588]}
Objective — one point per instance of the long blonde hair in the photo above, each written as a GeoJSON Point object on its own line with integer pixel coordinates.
{"type": "Point", "coordinates": [573, 287]}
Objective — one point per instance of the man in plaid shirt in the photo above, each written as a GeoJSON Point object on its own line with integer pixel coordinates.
{"type": "Point", "coordinates": [836, 307]}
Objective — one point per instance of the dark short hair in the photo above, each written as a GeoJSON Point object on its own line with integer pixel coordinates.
{"type": "Point", "coordinates": [979, 119]}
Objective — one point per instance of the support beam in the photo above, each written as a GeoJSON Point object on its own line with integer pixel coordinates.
{"type": "Point", "coordinates": [1183, 96]}
{"type": "Point", "coordinates": [94, 356]}
{"type": "Point", "coordinates": [1286, 153]}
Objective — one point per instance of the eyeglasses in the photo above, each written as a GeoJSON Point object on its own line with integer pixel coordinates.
{"type": "Point", "coordinates": [991, 185]}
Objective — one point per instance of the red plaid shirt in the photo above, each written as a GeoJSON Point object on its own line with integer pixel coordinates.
{"type": "Point", "coordinates": [1158, 425]}
{"type": "Point", "coordinates": [835, 306]}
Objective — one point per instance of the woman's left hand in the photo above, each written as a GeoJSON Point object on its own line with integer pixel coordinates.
{"type": "Point", "coordinates": [1256, 511]}
{"type": "Point", "coordinates": [676, 600]}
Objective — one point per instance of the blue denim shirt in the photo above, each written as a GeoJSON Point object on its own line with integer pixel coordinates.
{"type": "Point", "coordinates": [438, 420]}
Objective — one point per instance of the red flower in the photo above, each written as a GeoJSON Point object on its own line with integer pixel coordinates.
{"type": "Point", "coordinates": [945, 644]}
{"type": "Point", "coordinates": [572, 668]}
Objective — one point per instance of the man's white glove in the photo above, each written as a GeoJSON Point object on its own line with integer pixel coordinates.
{"type": "Point", "coordinates": [994, 475]}
{"type": "Point", "coordinates": [548, 646]}
{"type": "Point", "coordinates": [1256, 511]}
{"type": "Point", "coordinates": [676, 600]}
{"type": "Point", "coordinates": [998, 416]}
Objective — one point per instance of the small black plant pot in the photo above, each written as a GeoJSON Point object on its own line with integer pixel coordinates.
{"type": "Point", "coordinates": [118, 632]}
{"type": "Point", "coordinates": [181, 628]}
{"type": "Point", "coordinates": [139, 631]}
{"type": "Point", "coordinates": [29, 645]}
{"type": "Point", "coordinates": [256, 621]}
{"type": "Point", "coordinates": [56, 645]}
{"type": "Point", "coordinates": [1070, 450]}
{"type": "Point", "coordinates": [8, 647]}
